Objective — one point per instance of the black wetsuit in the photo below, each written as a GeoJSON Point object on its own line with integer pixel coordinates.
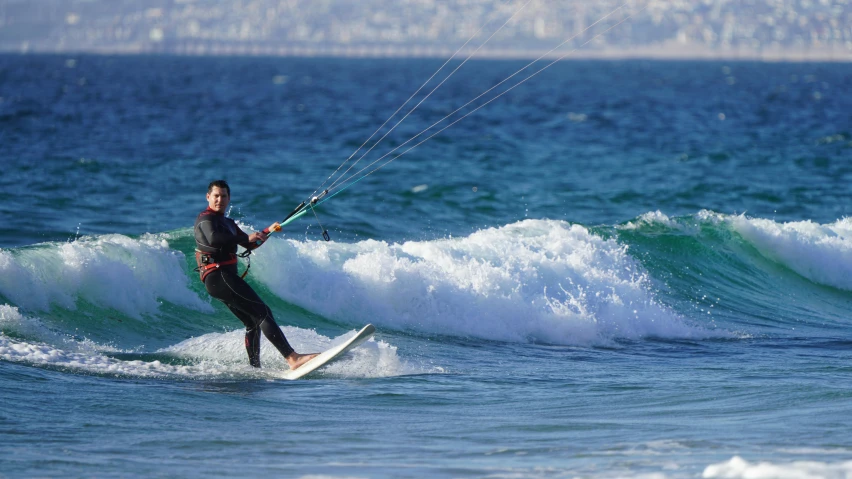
{"type": "Point", "coordinates": [216, 240]}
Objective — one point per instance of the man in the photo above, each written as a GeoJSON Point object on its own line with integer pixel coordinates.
{"type": "Point", "coordinates": [216, 240]}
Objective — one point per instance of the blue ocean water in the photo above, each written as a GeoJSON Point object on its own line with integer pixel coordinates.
{"type": "Point", "coordinates": [618, 269]}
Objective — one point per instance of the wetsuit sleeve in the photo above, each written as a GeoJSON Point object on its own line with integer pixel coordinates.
{"type": "Point", "coordinates": [218, 236]}
{"type": "Point", "coordinates": [245, 244]}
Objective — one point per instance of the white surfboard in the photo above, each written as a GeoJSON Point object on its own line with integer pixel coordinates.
{"type": "Point", "coordinates": [330, 355]}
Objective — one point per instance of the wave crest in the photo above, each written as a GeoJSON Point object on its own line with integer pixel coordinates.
{"type": "Point", "coordinates": [111, 271]}
{"type": "Point", "coordinates": [820, 253]}
{"type": "Point", "coordinates": [535, 280]}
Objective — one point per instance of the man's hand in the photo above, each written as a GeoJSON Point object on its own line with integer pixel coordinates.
{"type": "Point", "coordinates": [258, 237]}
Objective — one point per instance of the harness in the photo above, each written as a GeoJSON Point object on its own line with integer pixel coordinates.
{"type": "Point", "coordinates": [207, 266]}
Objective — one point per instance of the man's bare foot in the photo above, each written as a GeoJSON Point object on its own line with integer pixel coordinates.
{"type": "Point", "coordinates": [295, 359]}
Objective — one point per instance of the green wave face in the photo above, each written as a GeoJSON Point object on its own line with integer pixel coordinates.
{"type": "Point", "coordinates": [748, 273]}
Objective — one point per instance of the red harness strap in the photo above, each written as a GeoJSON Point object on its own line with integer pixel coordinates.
{"type": "Point", "coordinates": [206, 269]}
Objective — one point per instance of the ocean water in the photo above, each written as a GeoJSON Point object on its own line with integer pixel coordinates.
{"type": "Point", "coordinates": [618, 269]}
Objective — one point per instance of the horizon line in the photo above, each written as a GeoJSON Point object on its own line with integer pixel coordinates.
{"type": "Point", "coordinates": [659, 52]}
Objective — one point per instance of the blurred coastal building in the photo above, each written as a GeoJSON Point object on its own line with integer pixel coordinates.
{"type": "Point", "coordinates": [759, 29]}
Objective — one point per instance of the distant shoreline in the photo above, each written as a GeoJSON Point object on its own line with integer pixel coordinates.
{"type": "Point", "coordinates": [657, 52]}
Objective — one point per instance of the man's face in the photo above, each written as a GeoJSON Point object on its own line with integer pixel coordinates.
{"type": "Point", "coordinates": [218, 199]}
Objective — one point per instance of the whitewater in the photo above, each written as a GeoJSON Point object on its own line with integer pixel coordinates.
{"type": "Point", "coordinates": [536, 281]}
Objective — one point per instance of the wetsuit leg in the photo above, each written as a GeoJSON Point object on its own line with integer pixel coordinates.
{"type": "Point", "coordinates": [253, 346]}
{"type": "Point", "coordinates": [250, 309]}
{"type": "Point", "coordinates": [252, 336]}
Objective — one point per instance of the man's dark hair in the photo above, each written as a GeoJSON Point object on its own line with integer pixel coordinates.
{"type": "Point", "coordinates": [221, 184]}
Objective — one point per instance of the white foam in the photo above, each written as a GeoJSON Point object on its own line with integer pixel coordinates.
{"type": "Point", "coordinates": [536, 280]}
{"type": "Point", "coordinates": [651, 218]}
{"type": "Point", "coordinates": [820, 253]}
{"type": "Point", "coordinates": [210, 356]}
{"type": "Point", "coordinates": [11, 317]}
{"type": "Point", "coordinates": [111, 271]}
{"type": "Point", "coordinates": [40, 354]}
{"type": "Point", "coordinates": [738, 467]}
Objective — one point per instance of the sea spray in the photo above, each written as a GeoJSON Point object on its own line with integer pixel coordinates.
{"type": "Point", "coordinates": [373, 358]}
